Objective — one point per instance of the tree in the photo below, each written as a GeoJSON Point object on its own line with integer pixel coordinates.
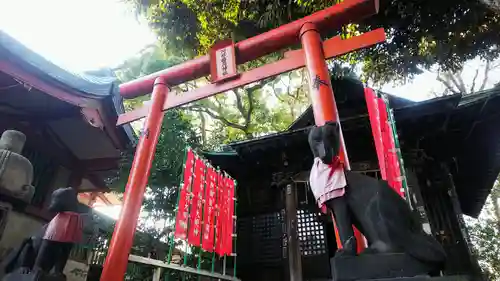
{"type": "Point", "coordinates": [421, 33]}
{"type": "Point", "coordinates": [291, 92]}
{"type": "Point", "coordinates": [455, 83]}
{"type": "Point", "coordinates": [176, 134]}
{"type": "Point", "coordinates": [485, 235]}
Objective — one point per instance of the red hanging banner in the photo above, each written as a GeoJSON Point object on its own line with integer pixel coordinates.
{"type": "Point", "coordinates": [373, 113]}
{"type": "Point", "coordinates": [391, 157]}
{"type": "Point", "coordinates": [181, 220]}
{"type": "Point", "coordinates": [194, 235]}
{"type": "Point", "coordinates": [221, 217]}
{"type": "Point", "coordinates": [229, 218]}
{"type": "Point", "coordinates": [209, 210]}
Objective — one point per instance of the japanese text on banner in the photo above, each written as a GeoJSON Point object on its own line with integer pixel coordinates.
{"type": "Point", "coordinates": [209, 210]}
{"type": "Point", "coordinates": [194, 235]}
{"type": "Point", "coordinates": [181, 221]}
{"type": "Point", "coordinates": [221, 218]}
{"type": "Point", "coordinates": [229, 219]}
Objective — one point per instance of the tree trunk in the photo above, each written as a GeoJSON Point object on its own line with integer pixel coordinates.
{"type": "Point", "coordinates": [203, 129]}
{"type": "Point", "coordinates": [496, 206]}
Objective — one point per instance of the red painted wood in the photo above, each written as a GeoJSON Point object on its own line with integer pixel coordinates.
{"type": "Point", "coordinates": [258, 46]}
{"type": "Point", "coordinates": [374, 116]}
{"type": "Point", "coordinates": [213, 61]}
{"type": "Point", "coordinates": [293, 60]}
{"type": "Point", "coordinates": [322, 96]}
{"type": "Point", "coordinates": [123, 235]}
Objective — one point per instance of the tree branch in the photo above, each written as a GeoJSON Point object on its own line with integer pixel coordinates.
{"type": "Point", "coordinates": [276, 94]}
{"type": "Point", "coordinates": [486, 73]}
{"type": "Point", "coordinates": [250, 109]}
{"type": "Point", "coordinates": [239, 104]}
{"type": "Point", "coordinates": [446, 83]}
{"type": "Point", "coordinates": [219, 105]}
{"type": "Point", "coordinates": [203, 128]}
{"type": "Point", "coordinates": [461, 83]}
{"type": "Point", "coordinates": [474, 81]}
{"type": "Point", "coordinates": [216, 116]}
{"type": "Point", "coordinates": [450, 77]}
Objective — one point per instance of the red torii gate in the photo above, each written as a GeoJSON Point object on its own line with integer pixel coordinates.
{"type": "Point", "coordinates": [306, 31]}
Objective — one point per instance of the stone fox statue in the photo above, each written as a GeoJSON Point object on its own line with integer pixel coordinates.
{"type": "Point", "coordinates": [50, 247]}
{"type": "Point", "coordinates": [328, 181]}
{"type": "Point", "coordinates": [370, 204]}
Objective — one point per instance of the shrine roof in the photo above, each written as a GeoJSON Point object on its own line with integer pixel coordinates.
{"type": "Point", "coordinates": [69, 116]}
{"type": "Point", "coordinates": [461, 129]}
{"type": "Point", "coordinates": [98, 83]}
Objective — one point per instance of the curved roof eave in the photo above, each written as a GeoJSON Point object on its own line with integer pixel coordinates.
{"type": "Point", "coordinates": [100, 85]}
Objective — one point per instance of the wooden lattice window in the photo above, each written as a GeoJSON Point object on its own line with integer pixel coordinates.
{"type": "Point", "coordinates": [311, 233]}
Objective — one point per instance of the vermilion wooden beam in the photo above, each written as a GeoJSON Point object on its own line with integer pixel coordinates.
{"type": "Point", "coordinates": [293, 60]}
{"type": "Point", "coordinates": [252, 48]}
{"type": "Point", "coordinates": [115, 265]}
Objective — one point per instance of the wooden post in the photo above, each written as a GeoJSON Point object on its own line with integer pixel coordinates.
{"type": "Point", "coordinates": [322, 98]}
{"type": "Point", "coordinates": [115, 265]}
{"type": "Point", "coordinates": [294, 256]}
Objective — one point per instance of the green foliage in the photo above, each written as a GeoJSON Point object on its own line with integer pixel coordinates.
{"type": "Point", "coordinates": [176, 134]}
{"type": "Point", "coordinates": [256, 109]}
{"type": "Point", "coordinates": [485, 235]}
{"type": "Point", "coordinates": [166, 169]}
{"type": "Point", "coordinates": [420, 33]}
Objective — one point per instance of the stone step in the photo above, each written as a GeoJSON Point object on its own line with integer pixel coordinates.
{"type": "Point", "coordinates": [420, 278]}
{"type": "Point", "coordinates": [425, 278]}
{"type": "Point", "coordinates": [378, 267]}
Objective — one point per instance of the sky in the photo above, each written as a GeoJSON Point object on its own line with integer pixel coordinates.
{"type": "Point", "coordinates": [81, 35]}
{"type": "Point", "coordinates": [77, 35]}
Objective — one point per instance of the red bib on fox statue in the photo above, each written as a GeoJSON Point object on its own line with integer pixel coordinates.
{"type": "Point", "coordinates": [63, 231]}
{"type": "Point", "coordinates": [327, 181]}
{"type": "Point", "coordinates": [66, 226]}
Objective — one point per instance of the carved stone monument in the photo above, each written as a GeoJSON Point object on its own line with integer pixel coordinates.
{"type": "Point", "coordinates": [16, 172]}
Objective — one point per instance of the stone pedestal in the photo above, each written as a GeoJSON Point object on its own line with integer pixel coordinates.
{"type": "Point", "coordinates": [423, 278]}
{"type": "Point", "coordinates": [378, 266]}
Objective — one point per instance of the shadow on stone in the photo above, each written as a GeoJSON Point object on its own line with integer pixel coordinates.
{"type": "Point", "coordinates": [398, 246]}
{"type": "Point", "coordinates": [377, 266]}
{"type": "Point", "coordinates": [33, 276]}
